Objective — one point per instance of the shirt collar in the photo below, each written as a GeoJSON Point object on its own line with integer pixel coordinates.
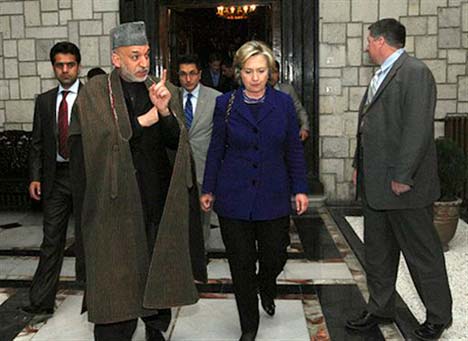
{"type": "Point", "coordinates": [194, 93]}
{"type": "Point", "coordinates": [387, 64]}
{"type": "Point", "coordinates": [72, 89]}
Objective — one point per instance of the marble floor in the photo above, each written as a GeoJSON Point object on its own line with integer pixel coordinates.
{"type": "Point", "coordinates": [323, 283]}
{"type": "Point", "coordinates": [457, 269]}
{"type": "Point", "coordinates": [410, 309]}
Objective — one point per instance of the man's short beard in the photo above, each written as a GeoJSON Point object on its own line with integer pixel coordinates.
{"type": "Point", "coordinates": [129, 77]}
{"type": "Point", "coordinates": [67, 82]}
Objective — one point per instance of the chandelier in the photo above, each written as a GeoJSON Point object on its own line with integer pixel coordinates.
{"type": "Point", "coordinates": [235, 12]}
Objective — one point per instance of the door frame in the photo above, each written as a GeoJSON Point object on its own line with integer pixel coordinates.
{"type": "Point", "coordinates": [164, 58]}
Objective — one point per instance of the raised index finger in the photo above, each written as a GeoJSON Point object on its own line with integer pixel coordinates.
{"type": "Point", "coordinates": [163, 77]}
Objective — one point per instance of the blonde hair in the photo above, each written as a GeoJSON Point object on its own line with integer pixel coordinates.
{"type": "Point", "coordinates": [249, 49]}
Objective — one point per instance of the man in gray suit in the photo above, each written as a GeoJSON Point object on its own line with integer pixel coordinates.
{"type": "Point", "coordinates": [303, 118]}
{"type": "Point", "coordinates": [396, 176]}
{"type": "Point", "coordinates": [198, 102]}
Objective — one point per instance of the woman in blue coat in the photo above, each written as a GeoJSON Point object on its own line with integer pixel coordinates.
{"type": "Point", "coordinates": [255, 163]}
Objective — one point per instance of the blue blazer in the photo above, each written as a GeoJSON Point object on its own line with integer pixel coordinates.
{"type": "Point", "coordinates": [254, 165]}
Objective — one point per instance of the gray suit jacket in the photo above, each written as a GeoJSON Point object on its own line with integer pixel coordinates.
{"type": "Point", "coordinates": [302, 116]}
{"type": "Point", "coordinates": [202, 124]}
{"type": "Point", "coordinates": [397, 137]}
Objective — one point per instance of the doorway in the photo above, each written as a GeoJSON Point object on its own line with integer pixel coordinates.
{"type": "Point", "coordinates": [201, 31]}
{"type": "Point", "coordinates": [289, 26]}
{"type": "Point", "coordinates": [187, 29]}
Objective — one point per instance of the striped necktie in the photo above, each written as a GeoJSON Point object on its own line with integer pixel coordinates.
{"type": "Point", "coordinates": [373, 86]}
{"type": "Point", "coordinates": [188, 111]}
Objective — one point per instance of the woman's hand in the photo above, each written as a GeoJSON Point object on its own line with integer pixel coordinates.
{"type": "Point", "coordinates": [206, 202]}
{"type": "Point", "coordinates": [302, 202]}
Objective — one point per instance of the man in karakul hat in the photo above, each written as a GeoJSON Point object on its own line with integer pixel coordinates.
{"type": "Point", "coordinates": [134, 202]}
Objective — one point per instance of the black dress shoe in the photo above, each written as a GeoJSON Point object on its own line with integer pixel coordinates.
{"type": "Point", "coordinates": [268, 304]}
{"type": "Point", "coordinates": [250, 336]}
{"type": "Point", "coordinates": [431, 331]}
{"type": "Point", "coordinates": [35, 310]}
{"type": "Point", "coordinates": [154, 335]}
{"type": "Point", "coordinates": [366, 321]}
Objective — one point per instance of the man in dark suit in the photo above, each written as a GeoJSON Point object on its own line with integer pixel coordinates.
{"type": "Point", "coordinates": [212, 76]}
{"type": "Point", "coordinates": [50, 176]}
{"type": "Point", "coordinates": [230, 82]}
{"type": "Point", "coordinates": [396, 176]}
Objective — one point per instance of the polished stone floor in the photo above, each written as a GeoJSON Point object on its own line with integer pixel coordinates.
{"type": "Point", "coordinates": [322, 284]}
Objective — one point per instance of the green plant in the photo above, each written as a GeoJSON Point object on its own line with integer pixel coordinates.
{"type": "Point", "coordinates": [452, 168]}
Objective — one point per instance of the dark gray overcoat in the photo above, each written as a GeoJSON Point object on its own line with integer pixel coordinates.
{"type": "Point", "coordinates": [122, 282]}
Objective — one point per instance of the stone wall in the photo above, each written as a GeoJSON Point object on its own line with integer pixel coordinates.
{"type": "Point", "coordinates": [437, 33]}
{"type": "Point", "coordinates": [28, 30]}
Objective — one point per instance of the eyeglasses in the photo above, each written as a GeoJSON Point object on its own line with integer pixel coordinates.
{"type": "Point", "coordinates": [69, 65]}
{"type": "Point", "coordinates": [190, 74]}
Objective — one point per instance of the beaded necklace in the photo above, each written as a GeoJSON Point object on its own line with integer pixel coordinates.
{"type": "Point", "coordinates": [250, 100]}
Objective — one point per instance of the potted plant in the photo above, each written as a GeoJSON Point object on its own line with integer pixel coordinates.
{"type": "Point", "coordinates": [453, 173]}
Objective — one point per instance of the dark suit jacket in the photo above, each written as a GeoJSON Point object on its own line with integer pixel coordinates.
{"type": "Point", "coordinates": [255, 168]}
{"type": "Point", "coordinates": [43, 154]}
{"type": "Point", "coordinates": [397, 137]}
{"type": "Point", "coordinates": [224, 84]}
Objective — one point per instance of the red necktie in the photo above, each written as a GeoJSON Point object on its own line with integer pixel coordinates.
{"type": "Point", "coordinates": [63, 125]}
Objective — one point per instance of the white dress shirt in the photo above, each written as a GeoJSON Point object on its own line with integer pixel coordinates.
{"type": "Point", "coordinates": [387, 65]}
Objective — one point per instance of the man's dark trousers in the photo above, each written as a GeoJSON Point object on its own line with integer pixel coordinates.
{"type": "Point", "coordinates": [386, 232]}
{"type": "Point", "coordinates": [57, 208]}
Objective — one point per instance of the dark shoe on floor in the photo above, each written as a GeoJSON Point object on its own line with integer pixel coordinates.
{"type": "Point", "coordinates": [34, 310]}
{"type": "Point", "coordinates": [154, 335]}
{"type": "Point", "coordinates": [431, 331]}
{"type": "Point", "coordinates": [268, 304]}
{"type": "Point", "coordinates": [366, 321]}
{"type": "Point", "coordinates": [250, 336]}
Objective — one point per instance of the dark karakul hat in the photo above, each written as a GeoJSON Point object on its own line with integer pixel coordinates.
{"type": "Point", "coordinates": [129, 34]}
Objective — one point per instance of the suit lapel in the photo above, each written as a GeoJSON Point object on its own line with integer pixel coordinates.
{"type": "Point", "coordinates": [391, 74]}
{"type": "Point", "coordinates": [241, 108]}
{"type": "Point", "coordinates": [267, 106]}
{"type": "Point", "coordinates": [52, 110]}
{"type": "Point", "coordinates": [200, 110]}
{"type": "Point", "coordinates": [362, 105]}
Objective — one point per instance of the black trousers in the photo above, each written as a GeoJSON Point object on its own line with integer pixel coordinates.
{"type": "Point", "coordinates": [246, 242]}
{"type": "Point", "coordinates": [123, 331]}
{"type": "Point", "coordinates": [411, 231]}
{"type": "Point", "coordinates": [57, 209]}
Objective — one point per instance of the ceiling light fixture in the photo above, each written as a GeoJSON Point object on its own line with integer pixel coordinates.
{"type": "Point", "coordinates": [235, 12]}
